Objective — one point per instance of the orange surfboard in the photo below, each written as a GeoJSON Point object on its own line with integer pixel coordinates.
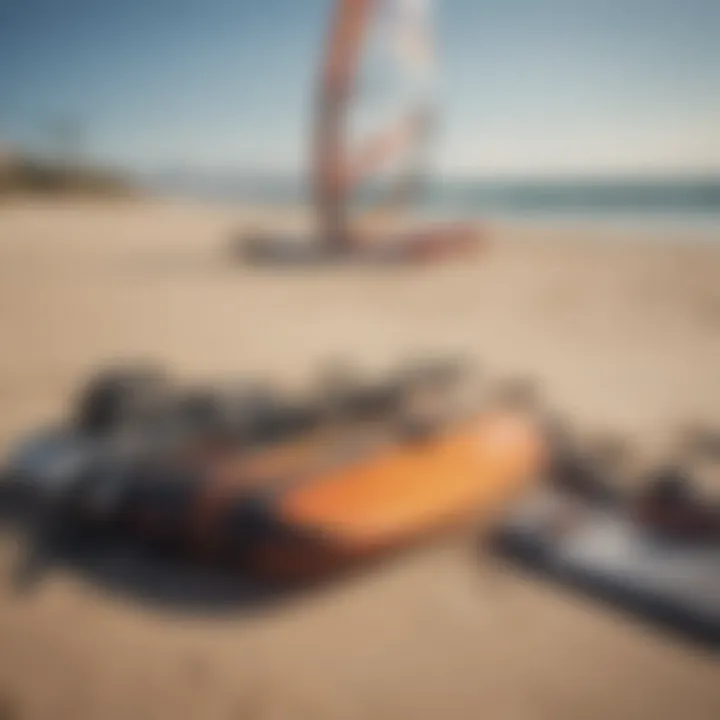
{"type": "Point", "coordinates": [401, 495]}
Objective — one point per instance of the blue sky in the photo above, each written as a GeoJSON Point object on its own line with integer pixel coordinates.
{"type": "Point", "coordinates": [527, 86]}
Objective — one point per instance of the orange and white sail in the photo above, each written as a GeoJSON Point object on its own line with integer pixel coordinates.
{"type": "Point", "coordinates": [374, 110]}
{"type": "Point", "coordinates": [413, 38]}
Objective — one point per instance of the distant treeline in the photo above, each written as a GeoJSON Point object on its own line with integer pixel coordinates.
{"type": "Point", "coordinates": [35, 176]}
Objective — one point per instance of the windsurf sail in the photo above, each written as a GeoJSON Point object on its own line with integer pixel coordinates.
{"type": "Point", "coordinates": [375, 117]}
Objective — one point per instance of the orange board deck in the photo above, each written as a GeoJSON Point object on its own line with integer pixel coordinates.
{"type": "Point", "coordinates": [409, 489]}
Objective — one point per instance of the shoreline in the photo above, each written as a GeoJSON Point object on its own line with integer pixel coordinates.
{"type": "Point", "coordinates": [626, 226]}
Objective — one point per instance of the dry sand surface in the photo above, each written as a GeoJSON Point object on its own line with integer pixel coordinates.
{"type": "Point", "coordinates": [623, 329]}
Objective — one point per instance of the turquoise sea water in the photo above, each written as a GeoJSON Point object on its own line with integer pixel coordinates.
{"type": "Point", "coordinates": [692, 199]}
{"type": "Point", "coordinates": [582, 197]}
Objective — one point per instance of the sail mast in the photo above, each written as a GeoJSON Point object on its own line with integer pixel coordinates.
{"type": "Point", "coordinates": [343, 54]}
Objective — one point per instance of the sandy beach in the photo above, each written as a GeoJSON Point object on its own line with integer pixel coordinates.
{"type": "Point", "coordinates": [619, 325]}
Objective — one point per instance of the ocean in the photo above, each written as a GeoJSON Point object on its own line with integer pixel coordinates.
{"type": "Point", "coordinates": [658, 198]}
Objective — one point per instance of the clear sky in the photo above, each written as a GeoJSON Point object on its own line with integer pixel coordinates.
{"type": "Point", "coordinates": [527, 86]}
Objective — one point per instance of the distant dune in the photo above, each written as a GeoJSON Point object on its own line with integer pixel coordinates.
{"type": "Point", "coordinates": [25, 175]}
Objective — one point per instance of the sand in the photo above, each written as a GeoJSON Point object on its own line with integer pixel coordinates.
{"type": "Point", "coordinates": [620, 326]}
